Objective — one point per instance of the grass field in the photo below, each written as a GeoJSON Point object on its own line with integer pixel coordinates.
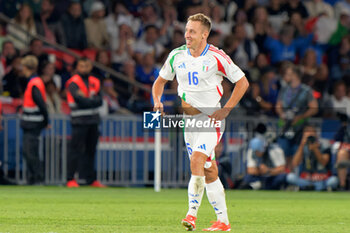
{"type": "Point", "coordinates": [58, 209]}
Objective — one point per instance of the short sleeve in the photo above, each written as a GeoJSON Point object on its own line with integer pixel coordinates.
{"type": "Point", "coordinates": [251, 162]}
{"type": "Point", "coordinates": [227, 68]}
{"type": "Point", "coordinates": [167, 72]}
{"type": "Point", "coordinates": [277, 156]}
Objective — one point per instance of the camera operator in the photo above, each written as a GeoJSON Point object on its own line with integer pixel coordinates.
{"type": "Point", "coordinates": [313, 162]}
{"type": "Point", "coordinates": [265, 163]}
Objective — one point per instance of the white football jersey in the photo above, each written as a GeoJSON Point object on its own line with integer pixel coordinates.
{"type": "Point", "coordinates": [200, 78]}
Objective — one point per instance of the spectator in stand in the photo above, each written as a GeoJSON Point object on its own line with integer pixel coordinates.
{"type": "Point", "coordinates": [148, 44]}
{"type": "Point", "coordinates": [318, 7]}
{"type": "Point", "coordinates": [313, 163]}
{"type": "Point", "coordinates": [260, 64]}
{"type": "Point", "coordinates": [10, 8]}
{"type": "Point", "coordinates": [342, 28]}
{"type": "Point", "coordinates": [96, 28]}
{"type": "Point", "coordinates": [177, 39]}
{"type": "Point", "coordinates": [340, 102]}
{"type": "Point", "coordinates": [148, 16]}
{"type": "Point", "coordinates": [268, 91]}
{"type": "Point", "coordinates": [240, 18]}
{"type": "Point", "coordinates": [125, 50]}
{"type": "Point", "coordinates": [14, 83]}
{"type": "Point", "coordinates": [215, 38]}
{"type": "Point", "coordinates": [277, 16]}
{"type": "Point", "coordinates": [340, 5]}
{"type": "Point", "coordinates": [230, 8]}
{"type": "Point", "coordinates": [37, 49]}
{"type": "Point", "coordinates": [340, 60]}
{"type": "Point", "coordinates": [218, 23]}
{"type": "Point", "coordinates": [74, 27]}
{"type": "Point", "coordinates": [286, 47]}
{"type": "Point", "coordinates": [147, 72]}
{"type": "Point", "coordinates": [7, 54]}
{"type": "Point", "coordinates": [294, 106]}
{"type": "Point", "coordinates": [53, 98]}
{"type": "Point", "coordinates": [315, 74]}
{"type": "Point", "coordinates": [25, 20]}
{"type": "Point", "coordinates": [119, 15]}
{"type": "Point", "coordinates": [265, 163]}
{"type": "Point", "coordinates": [134, 6]}
{"type": "Point", "coordinates": [296, 6]}
{"type": "Point", "coordinates": [251, 101]}
{"type": "Point", "coordinates": [262, 29]}
{"type": "Point", "coordinates": [246, 50]}
{"type": "Point", "coordinates": [102, 57]}
{"type": "Point", "coordinates": [48, 73]}
{"type": "Point", "coordinates": [110, 97]}
{"type": "Point", "coordinates": [298, 23]}
{"type": "Point", "coordinates": [47, 23]}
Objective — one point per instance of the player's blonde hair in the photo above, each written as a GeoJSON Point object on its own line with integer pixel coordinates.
{"type": "Point", "coordinates": [205, 20]}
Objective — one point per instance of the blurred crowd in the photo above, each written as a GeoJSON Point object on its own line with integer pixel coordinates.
{"type": "Point", "coordinates": [296, 55]}
{"type": "Point", "coordinates": [134, 37]}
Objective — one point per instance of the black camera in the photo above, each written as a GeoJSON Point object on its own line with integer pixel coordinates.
{"type": "Point", "coordinates": [311, 140]}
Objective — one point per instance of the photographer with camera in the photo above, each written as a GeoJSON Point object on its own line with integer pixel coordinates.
{"type": "Point", "coordinates": [294, 106]}
{"type": "Point", "coordinates": [265, 163]}
{"type": "Point", "coordinates": [313, 161]}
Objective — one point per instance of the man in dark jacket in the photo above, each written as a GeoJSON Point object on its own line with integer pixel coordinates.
{"type": "Point", "coordinates": [84, 98]}
{"type": "Point", "coordinates": [73, 24]}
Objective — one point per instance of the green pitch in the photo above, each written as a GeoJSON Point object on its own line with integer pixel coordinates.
{"type": "Point", "coordinates": [121, 210]}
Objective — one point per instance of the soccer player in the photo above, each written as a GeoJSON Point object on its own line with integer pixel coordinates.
{"type": "Point", "coordinates": [199, 68]}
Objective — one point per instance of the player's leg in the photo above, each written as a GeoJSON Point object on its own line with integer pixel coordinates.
{"type": "Point", "coordinates": [196, 183]}
{"type": "Point", "coordinates": [343, 155]}
{"type": "Point", "coordinates": [216, 196]}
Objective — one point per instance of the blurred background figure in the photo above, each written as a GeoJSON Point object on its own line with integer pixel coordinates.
{"type": "Point", "coordinates": [312, 164]}
{"type": "Point", "coordinates": [25, 20]}
{"type": "Point", "coordinates": [265, 163]}
{"type": "Point", "coordinates": [84, 99]}
{"type": "Point", "coordinates": [34, 119]}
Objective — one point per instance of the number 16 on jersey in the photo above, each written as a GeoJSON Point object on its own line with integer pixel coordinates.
{"type": "Point", "coordinates": [193, 78]}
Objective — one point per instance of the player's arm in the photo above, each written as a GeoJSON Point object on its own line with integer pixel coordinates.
{"type": "Point", "coordinates": [237, 94]}
{"type": "Point", "coordinates": [157, 92]}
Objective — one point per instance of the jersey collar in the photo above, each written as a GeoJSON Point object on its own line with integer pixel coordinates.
{"type": "Point", "coordinates": [203, 53]}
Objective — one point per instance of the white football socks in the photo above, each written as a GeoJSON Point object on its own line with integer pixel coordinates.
{"type": "Point", "coordinates": [216, 197]}
{"type": "Point", "coordinates": [195, 194]}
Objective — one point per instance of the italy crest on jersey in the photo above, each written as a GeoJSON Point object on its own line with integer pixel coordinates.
{"type": "Point", "coordinates": [206, 65]}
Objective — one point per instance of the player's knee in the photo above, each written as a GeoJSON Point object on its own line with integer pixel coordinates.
{"type": "Point", "coordinates": [197, 162]}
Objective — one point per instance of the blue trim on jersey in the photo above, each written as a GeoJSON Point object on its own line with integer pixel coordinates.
{"type": "Point", "coordinates": [204, 51]}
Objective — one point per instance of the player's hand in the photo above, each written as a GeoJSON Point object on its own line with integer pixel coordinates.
{"type": "Point", "coordinates": [158, 106]}
{"type": "Point", "coordinates": [220, 114]}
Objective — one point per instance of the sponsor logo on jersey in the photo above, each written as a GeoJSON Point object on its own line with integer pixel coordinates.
{"type": "Point", "coordinates": [182, 66]}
